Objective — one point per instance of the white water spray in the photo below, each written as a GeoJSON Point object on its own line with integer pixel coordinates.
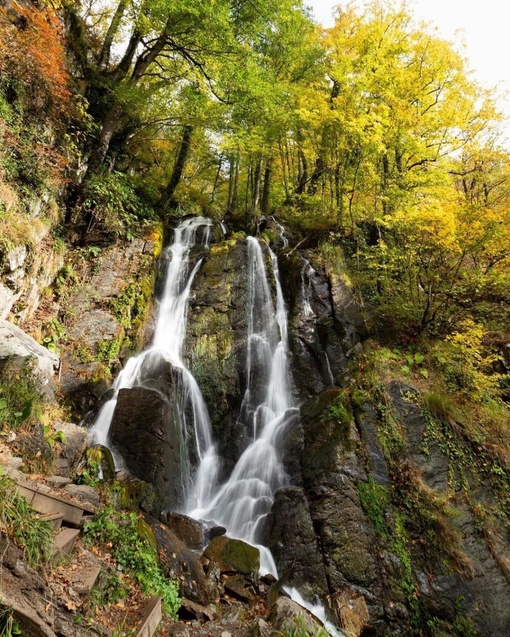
{"type": "Point", "coordinates": [243, 502]}
{"type": "Point", "coordinates": [167, 346]}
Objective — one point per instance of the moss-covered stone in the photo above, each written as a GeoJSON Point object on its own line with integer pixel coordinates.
{"type": "Point", "coordinates": [234, 555]}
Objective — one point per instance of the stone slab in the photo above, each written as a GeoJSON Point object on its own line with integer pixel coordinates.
{"type": "Point", "coordinates": [152, 615]}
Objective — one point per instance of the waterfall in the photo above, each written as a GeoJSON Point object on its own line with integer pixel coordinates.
{"type": "Point", "coordinates": [167, 346]}
{"type": "Point", "coordinates": [243, 502]}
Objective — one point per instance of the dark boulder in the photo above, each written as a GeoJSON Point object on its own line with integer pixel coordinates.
{"type": "Point", "coordinates": [291, 538]}
{"type": "Point", "coordinates": [145, 431]}
{"type": "Point", "coordinates": [186, 529]}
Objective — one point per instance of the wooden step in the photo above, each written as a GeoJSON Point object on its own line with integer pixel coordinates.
{"type": "Point", "coordinates": [83, 580]}
{"type": "Point", "coordinates": [45, 502]}
{"type": "Point", "coordinates": [64, 542]}
{"type": "Point", "coordinates": [54, 519]}
{"type": "Point", "coordinates": [151, 617]}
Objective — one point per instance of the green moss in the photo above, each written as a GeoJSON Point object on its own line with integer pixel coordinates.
{"type": "Point", "coordinates": [374, 499]}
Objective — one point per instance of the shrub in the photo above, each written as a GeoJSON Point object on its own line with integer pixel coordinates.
{"type": "Point", "coordinates": [111, 204]}
{"type": "Point", "coordinates": [21, 401]}
{"type": "Point", "coordinates": [134, 553]}
{"type": "Point", "coordinates": [19, 521]}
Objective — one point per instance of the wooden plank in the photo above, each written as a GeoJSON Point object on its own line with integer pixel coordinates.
{"type": "Point", "coordinates": [45, 502]}
{"type": "Point", "coordinates": [64, 542]}
{"type": "Point", "coordinates": [151, 617]}
{"type": "Point", "coordinates": [55, 519]}
{"type": "Point", "coordinates": [84, 579]}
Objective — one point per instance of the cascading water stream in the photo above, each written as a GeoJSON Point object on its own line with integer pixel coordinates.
{"type": "Point", "coordinates": [167, 346]}
{"type": "Point", "coordinates": [242, 503]}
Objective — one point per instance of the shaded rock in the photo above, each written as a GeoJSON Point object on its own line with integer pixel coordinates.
{"type": "Point", "coordinates": [289, 617]}
{"type": "Point", "coordinates": [367, 421]}
{"type": "Point", "coordinates": [331, 471]}
{"type": "Point", "coordinates": [137, 494]}
{"type": "Point", "coordinates": [183, 565]}
{"type": "Point", "coordinates": [145, 431]}
{"type": "Point", "coordinates": [34, 448]}
{"type": "Point", "coordinates": [84, 493]}
{"type": "Point", "coordinates": [291, 538]}
{"type": "Point", "coordinates": [237, 587]}
{"type": "Point", "coordinates": [71, 450]}
{"type": "Point", "coordinates": [186, 529]}
{"type": "Point", "coordinates": [433, 464]}
{"type": "Point", "coordinates": [233, 555]}
{"type": "Point", "coordinates": [58, 482]}
{"type": "Point", "coordinates": [212, 532]}
{"type": "Point", "coordinates": [260, 628]}
{"type": "Point", "coordinates": [350, 611]}
{"type": "Point", "coordinates": [191, 610]}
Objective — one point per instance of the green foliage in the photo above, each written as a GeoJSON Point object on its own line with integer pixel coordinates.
{"type": "Point", "coordinates": [112, 204]}
{"type": "Point", "coordinates": [9, 627]}
{"type": "Point", "coordinates": [55, 332]}
{"type": "Point", "coordinates": [21, 402]}
{"type": "Point", "coordinates": [21, 523]}
{"type": "Point", "coordinates": [134, 553]}
{"type": "Point", "coordinates": [374, 499]}
{"type": "Point", "coordinates": [89, 473]}
{"type": "Point", "coordinates": [108, 350]}
{"type": "Point", "coordinates": [339, 412]}
{"type": "Point", "coordinates": [466, 364]}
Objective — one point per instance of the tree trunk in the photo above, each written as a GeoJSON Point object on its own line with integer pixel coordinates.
{"type": "Point", "coordinates": [256, 187]}
{"type": "Point", "coordinates": [303, 173]}
{"type": "Point", "coordinates": [266, 190]}
{"type": "Point", "coordinates": [317, 175]}
{"type": "Point", "coordinates": [216, 180]}
{"type": "Point", "coordinates": [180, 162]}
{"type": "Point", "coordinates": [108, 129]}
{"type": "Point", "coordinates": [113, 29]}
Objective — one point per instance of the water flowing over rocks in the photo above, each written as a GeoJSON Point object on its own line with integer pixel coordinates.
{"type": "Point", "coordinates": [302, 470]}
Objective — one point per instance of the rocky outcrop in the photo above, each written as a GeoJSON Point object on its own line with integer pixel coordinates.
{"type": "Point", "coordinates": [15, 343]}
{"type": "Point", "coordinates": [27, 269]}
{"type": "Point", "coordinates": [145, 431]}
{"type": "Point", "coordinates": [104, 306]}
{"type": "Point", "coordinates": [215, 340]}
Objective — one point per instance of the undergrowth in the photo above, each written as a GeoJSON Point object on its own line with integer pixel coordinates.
{"type": "Point", "coordinates": [20, 522]}
{"type": "Point", "coordinates": [123, 534]}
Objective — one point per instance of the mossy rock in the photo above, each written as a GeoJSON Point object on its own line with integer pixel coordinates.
{"type": "Point", "coordinates": [317, 405]}
{"type": "Point", "coordinates": [234, 555]}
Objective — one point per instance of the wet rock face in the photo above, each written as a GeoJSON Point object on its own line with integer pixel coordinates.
{"type": "Point", "coordinates": [215, 340]}
{"type": "Point", "coordinates": [146, 432]}
{"type": "Point", "coordinates": [322, 335]}
{"type": "Point", "coordinates": [332, 470]}
{"type": "Point", "coordinates": [291, 538]}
